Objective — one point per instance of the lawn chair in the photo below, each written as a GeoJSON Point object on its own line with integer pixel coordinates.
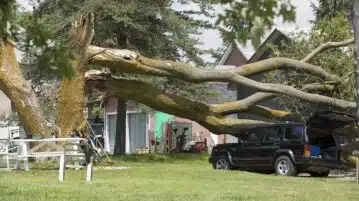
{"type": "Point", "coordinates": [6, 155]}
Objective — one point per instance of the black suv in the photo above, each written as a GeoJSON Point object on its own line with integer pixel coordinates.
{"type": "Point", "coordinates": [288, 148]}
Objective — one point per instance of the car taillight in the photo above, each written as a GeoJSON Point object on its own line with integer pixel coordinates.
{"type": "Point", "coordinates": [307, 150]}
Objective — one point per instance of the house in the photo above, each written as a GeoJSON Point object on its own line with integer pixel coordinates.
{"type": "Point", "coordinates": [6, 108]}
{"type": "Point", "coordinates": [275, 37]}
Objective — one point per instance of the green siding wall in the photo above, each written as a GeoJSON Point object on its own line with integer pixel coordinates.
{"type": "Point", "coordinates": [161, 118]}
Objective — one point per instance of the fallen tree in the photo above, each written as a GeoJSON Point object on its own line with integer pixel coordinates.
{"type": "Point", "coordinates": [72, 91]}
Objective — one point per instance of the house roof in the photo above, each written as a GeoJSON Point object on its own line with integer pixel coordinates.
{"type": "Point", "coordinates": [228, 52]}
{"type": "Point", "coordinates": [270, 39]}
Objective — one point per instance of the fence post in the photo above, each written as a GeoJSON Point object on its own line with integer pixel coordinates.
{"type": "Point", "coordinates": [356, 154]}
{"type": "Point", "coordinates": [89, 170]}
{"type": "Point", "coordinates": [62, 168]}
{"type": "Point", "coordinates": [26, 159]}
{"type": "Point", "coordinates": [18, 157]}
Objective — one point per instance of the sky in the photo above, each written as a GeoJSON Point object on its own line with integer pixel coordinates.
{"type": "Point", "coordinates": [212, 39]}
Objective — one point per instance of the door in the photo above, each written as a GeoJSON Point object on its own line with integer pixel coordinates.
{"type": "Point", "coordinates": [293, 139]}
{"type": "Point", "coordinates": [246, 152]}
{"type": "Point", "coordinates": [111, 133]}
{"type": "Point", "coordinates": [269, 144]}
{"type": "Point", "coordinates": [137, 128]}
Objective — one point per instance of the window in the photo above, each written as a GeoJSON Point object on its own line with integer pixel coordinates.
{"type": "Point", "coordinates": [271, 134]}
{"type": "Point", "coordinates": [253, 136]}
{"type": "Point", "coordinates": [294, 133]}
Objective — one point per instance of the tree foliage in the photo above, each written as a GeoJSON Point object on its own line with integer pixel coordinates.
{"type": "Point", "coordinates": [336, 61]}
{"type": "Point", "coordinates": [248, 19]}
{"type": "Point", "coordinates": [330, 8]}
{"type": "Point", "coordinates": [152, 28]}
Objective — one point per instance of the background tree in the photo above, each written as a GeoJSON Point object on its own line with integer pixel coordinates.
{"type": "Point", "coordinates": [335, 28]}
{"type": "Point", "coordinates": [330, 8]}
{"type": "Point", "coordinates": [152, 28]}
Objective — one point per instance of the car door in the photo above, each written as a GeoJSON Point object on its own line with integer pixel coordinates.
{"type": "Point", "coordinates": [294, 139]}
{"type": "Point", "coordinates": [270, 143]}
{"type": "Point", "coordinates": [246, 153]}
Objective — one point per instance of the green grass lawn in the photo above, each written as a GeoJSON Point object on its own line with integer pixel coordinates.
{"type": "Point", "coordinates": [165, 178]}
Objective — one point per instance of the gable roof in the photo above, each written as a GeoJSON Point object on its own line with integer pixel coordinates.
{"type": "Point", "coordinates": [228, 52]}
{"type": "Point", "coordinates": [273, 36]}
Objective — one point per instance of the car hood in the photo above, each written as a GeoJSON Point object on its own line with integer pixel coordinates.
{"type": "Point", "coordinates": [330, 120]}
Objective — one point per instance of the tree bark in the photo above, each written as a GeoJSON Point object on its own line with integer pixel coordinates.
{"type": "Point", "coordinates": [72, 89]}
{"type": "Point", "coordinates": [130, 62]}
{"type": "Point", "coordinates": [202, 113]}
{"type": "Point", "coordinates": [19, 91]}
{"type": "Point", "coordinates": [120, 142]}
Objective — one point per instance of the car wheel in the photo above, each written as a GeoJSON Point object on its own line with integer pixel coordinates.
{"type": "Point", "coordinates": [320, 174]}
{"type": "Point", "coordinates": [222, 163]}
{"type": "Point", "coordinates": [284, 166]}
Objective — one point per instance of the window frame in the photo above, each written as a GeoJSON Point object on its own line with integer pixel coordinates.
{"type": "Point", "coordinates": [291, 127]}
{"type": "Point", "coordinates": [279, 131]}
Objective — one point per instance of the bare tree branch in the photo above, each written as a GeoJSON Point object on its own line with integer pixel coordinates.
{"type": "Point", "coordinates": [202, 113]}
{"type": "Point", "coordinates": [326, 46]}
{"type": "Point", "coordinates": [130, 62]}
{"type": "Point", "coordinates": [256, 98]}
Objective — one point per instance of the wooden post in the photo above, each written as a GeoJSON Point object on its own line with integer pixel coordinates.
{"type": "Point", "coordinates": [7, 157]}
{"type": "Point", "coordinates": [62, 168]}
{"type": "Point", "coordinates": [18, 157]}
{"type": "Point", "coordinates": [356, 154]}
{"type": "Point", "coordinates": [26, 159]}
{"type": "Point", "coordinates": [89, 170]}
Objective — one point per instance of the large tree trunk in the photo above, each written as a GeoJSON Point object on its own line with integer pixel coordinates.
{"type": "Point", "coordinates": [19, 91]}
{"type": "Point", "coordinates": [72, 91]}
{"type": "Point", "coordinates": [120, 142]}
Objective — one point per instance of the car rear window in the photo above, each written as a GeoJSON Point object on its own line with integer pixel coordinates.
{"type": "Point", "coordinates": [294, 133]}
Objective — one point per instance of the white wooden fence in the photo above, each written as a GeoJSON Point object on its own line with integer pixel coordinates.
{"type": "Point", "coordinates": [23, 153]}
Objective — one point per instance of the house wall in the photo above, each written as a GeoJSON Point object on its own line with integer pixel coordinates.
{"type": "Point", "coordinates": [111, 105]}
{"type": "Point", "coordinates": [276, 38]}
{"type": "Point", "coordinates": [159, 118]}
{"type": "Point", "coordinates": [228, 91]}
{"type": "Point", "coordinates": [5, 105]}
{"type": "Point", "coordinates": [235, 58]}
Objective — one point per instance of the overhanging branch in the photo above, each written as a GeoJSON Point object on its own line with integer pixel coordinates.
{"type": "Point", "coordinates": [204, 114]}
{"type": "Point", "coordinates": [130, 62]}
{"type": "Point", "coordinates": [326, 46]}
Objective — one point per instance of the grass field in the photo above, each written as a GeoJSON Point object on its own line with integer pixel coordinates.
{"type": "Point", "coordinates": [164, 178]}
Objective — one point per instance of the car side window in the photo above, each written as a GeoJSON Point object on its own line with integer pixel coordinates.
{"type": "Point", "coordinates": [254, 135]}
{"type": "Point", "coordinates": [294, 133]}
{"type": "Point", "coordinates": [272, 134]}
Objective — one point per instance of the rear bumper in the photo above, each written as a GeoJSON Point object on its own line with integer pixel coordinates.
{"type": "Point", "coordinates": [318, 164]}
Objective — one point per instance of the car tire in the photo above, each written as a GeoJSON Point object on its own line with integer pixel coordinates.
{"type": "Point", "coordinates": [284, 166]}
{"type": "Point", "coordinates": [320, 174]}
{"type": "Point", "coordinates": [221, 162]}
